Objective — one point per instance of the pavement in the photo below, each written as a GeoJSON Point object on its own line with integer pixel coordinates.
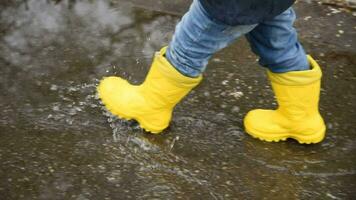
{"type": "Point", "coordinates": [57, 142]}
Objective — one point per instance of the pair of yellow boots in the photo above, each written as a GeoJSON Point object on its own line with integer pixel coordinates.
{"type": "Point", "coordinates": [151, 104]}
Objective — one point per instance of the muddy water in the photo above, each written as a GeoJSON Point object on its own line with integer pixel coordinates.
{"type": "Point", "coordinates": [56, 142]}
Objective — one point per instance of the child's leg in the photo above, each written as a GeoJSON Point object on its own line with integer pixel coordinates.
{"type": "Point", "coordinates": [276, 42]}
{"type": "Point", "coordinates": [197, 38]}
{"type": "Point", "coordinates": [295, 81]}
{"type": "Point", "coordinates": [173, 73]}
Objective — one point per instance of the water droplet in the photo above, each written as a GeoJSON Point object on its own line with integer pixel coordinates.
{"type": "Point", "coordinates": [54, 87]}
{"type": "Point", "coordinates": [55, 108]}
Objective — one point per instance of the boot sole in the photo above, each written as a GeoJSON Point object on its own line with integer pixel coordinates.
{"type": "Point", "coordinates": [302, 139]}
{"type": "Point", "coordinates": [143, 125]}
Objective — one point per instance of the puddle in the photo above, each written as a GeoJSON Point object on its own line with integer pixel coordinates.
{"type": "Point", "coordinates": [57, 141]}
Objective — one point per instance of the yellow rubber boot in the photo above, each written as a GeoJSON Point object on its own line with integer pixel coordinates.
{"type": "Point", "coordinates": [151, 103]}
{"type": "Point", "coordinates": [297, 116]}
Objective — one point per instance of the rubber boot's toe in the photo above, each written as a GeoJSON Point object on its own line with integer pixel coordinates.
{"type": "Point", "coordinates": [260, 124]}
{"type": "Point", "coordinates": [108, 91]}
{"type": "Point", "coordinates": [109, 85]}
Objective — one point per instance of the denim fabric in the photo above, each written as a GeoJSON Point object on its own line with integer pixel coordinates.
{"type": "Point", "coordinates": [197, 38]}
{"type": "Point", "coordinates": [276, 43]}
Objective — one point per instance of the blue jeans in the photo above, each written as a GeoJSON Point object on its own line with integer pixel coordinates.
{"type": "Point", "coordinates": [197, 38]}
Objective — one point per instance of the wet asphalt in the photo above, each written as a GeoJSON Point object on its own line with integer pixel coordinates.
{"type": "Point", "coordinates": [56, 141]}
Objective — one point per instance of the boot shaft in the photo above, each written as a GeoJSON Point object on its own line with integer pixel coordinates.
{"type": "Point", "coordinates": [298, 92]}
{"type": "Point", "coordinates": [164, 85]}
